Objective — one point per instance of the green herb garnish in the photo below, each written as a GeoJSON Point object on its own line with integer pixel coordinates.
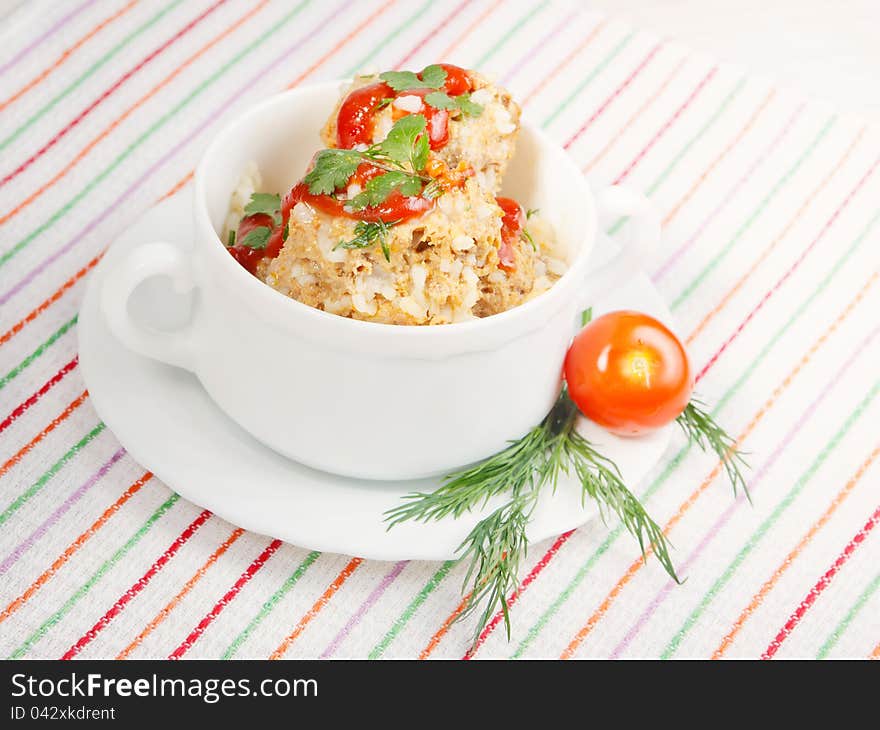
{"type": "Point", "coordinates": [230, 242]}
{"type": "Point", "coordinates": [406, 144]}
{"type": "Point", "coordinates": [332, 169]}
{"type": "Point", "coordinates": [702, 430]}
{"type": "Point", "coordinates": [496, 546]}
{"type": "Point", "coordinates": [257, 238]}
{"type": "Point", "coordinates": [433, 189]}
{"type": "Point", "coordinates": [527, 237]}
{"type": "Point", "coordinates": [377, 189]}
{"type": "Point", "coordinates": [366, 233]}
{"type": "Point", "coordinates": [532, 211]}
{"type": "Point", "coordinates": [383, 103]}
{"type": "Point", "coordinates": [265, 203]}
{"type": "Point", "coordinates": [430, 77]}
{"type": "Point", "coordinates": [462, 102]}
{"type": "Point", "coordinates": [403, 152]}
{"type": "Point", "coordinates": [433, 76]}
{"type": "Point", "coordinates": [467, 106]}
{"type": "Point", "coordinates": [402, 155]}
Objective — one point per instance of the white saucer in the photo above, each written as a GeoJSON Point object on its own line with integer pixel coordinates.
{"type": "Point", "coordinates": [167, 422]}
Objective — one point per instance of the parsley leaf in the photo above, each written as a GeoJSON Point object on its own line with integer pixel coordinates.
{"type": "Point", "coordinates": [401, 80]}
{"type": "Point", "coordinates": [432, 77]}
{"type": "Point", "coordinates": [462, 102]}
{"type": "Point", "coordinates": [332, 170]}
{"type": "Point", "coordinates": [467, 106]}
{"type": "Point", "coordinates": [267, 203]}
{"type": "Point", "coordinates": [440, 100]}
{"type": "Point", "coordinates": [406, 142]}
{"type": "Point", "coordinates": [377, 189]}
{"type": "Point", "coordinates": [403, 155]}
{"type": "Point", "coordinates": [257, 238]}
{"type": "Point", "coordinates": [366, 233]}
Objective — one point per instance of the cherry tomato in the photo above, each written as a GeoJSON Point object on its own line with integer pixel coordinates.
{"type": "Point", "coordinates": [627, 372]}
{"type": "Point", "coordinates": [512, 223]}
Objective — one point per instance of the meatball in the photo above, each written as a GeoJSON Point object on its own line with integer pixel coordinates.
{"type": "Point", "coordinates": [443, 267]}
{"type": "Point", "coordinates": [484, 142]}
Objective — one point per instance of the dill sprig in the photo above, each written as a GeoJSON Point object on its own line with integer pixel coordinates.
{"type": "Point", "coordinates": [601, 481]}
{"type": "Point", "coordinates": [516, 467]}
{"type": "Point", "coordinates": [702, 430]}
{"type": "Point", "coordinates": [497, 545]}
{"type": "Point", "coordinates": [496, 548]}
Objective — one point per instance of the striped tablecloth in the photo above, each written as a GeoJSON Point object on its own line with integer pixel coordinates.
{"type": "Point", "coordinates": [769, 261]}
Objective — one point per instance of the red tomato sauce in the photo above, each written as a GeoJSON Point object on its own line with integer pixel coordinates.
{"type": "Point", "coordinates": [245, 255]}
{"type": "Point", "coordinates": [357, 114]}
{"type": "Point", "coordinates": [356, 118]}
{"type": "Point", "coordinates": [511, 227]}
{"type": "Point", "coordinates": [355, 123]}
{"type": "Point", "coordinates": [396, 207]}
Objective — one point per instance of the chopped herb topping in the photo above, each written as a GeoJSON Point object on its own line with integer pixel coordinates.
{"type": "Point", "coordinates": [383, 103]}
{"type": "Point", "coordinates": [430, 77]}
{"type": "Point", "coordinates": [405, 145]}
{"type": "Point", "coordinates": [366, 233]}
{"type": "Point", "coordinates": [496, 547]}
{"type": "Point", "coordinates": [332, 170]}
{"type": "Point", "coordinates": [231, 240]}
{"type": "Point", "coordinates": [463, 103]}
{"type": "Point", "coordinates": [403, 155]}
{"type": "Point", "coordinates": [433, 189]}
{"type": "Point", "coordinates": [377, 189]}
{"type": "Point", "coordinates": [257, 238]}
{"type": "Point", "coordinates": [266, 203]}
{"type": "Point", "coordinates": [433, 76]}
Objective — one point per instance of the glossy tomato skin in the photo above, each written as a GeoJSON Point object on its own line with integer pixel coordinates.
{"type": "Point", "coordinates": [629, 373]}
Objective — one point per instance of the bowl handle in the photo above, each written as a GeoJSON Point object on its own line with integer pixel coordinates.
{"type": "Point", "coordinates": [619, 201]}
{"type": "Point", "coordinates": [146, 261]}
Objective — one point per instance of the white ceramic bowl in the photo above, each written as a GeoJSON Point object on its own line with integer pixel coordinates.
{"type": "Point", "coordinates": [356, 398]}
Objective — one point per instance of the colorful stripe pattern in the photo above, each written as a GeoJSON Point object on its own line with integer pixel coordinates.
{"type": "Point", "coordinates": [770, 259]}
